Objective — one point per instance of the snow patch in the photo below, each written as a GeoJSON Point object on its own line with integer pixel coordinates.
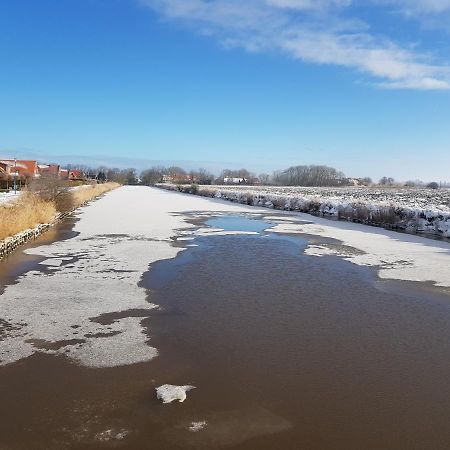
{"type": "Point", "coordinates": [396, 256]}
{"type": "Point", "coordinates": [56, 262]}
{"type": "Point", "coordinates": [195, 427]}
{"type": "Point", "coordinates": [6, 197]}
{"type": "Point", "coordinates": [169, 393]}
{"type": "Point", "coordinates": [111, 435]}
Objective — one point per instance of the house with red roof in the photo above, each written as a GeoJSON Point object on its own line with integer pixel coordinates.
{"type": "Point", "coordinates": [5, 170]}
{"type": "Point", "coordinates": [76, 175]}
{"type": "Point", "coordinates": [63, 174]}
{"type": "Point", "coordinates": [23, 169]}
{"type": "Point", "coordinates": [49, 170]}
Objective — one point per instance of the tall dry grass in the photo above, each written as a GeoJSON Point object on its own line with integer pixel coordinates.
{"type": "Point", "coordinates": [30, 209]}
{"type": "Point", "coordinates": [88, 192]}
{"type": "Point", "coordinates": [26, 212]}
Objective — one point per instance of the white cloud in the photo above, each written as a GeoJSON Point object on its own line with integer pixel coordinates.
{"type": "Point", "coordinates": [398, 68]}
{"type": "Point", "coordinates": [416, 6]}
{"type": "Point", "coordinates": [308, 4]}
{"type": "Point", "coordinates": [258, 25]}
{"type": "Point", "coordinates": [425, 84]}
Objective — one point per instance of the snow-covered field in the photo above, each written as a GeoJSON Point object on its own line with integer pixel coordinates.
{"type": "Point", "coordinates": [97, 273]}
{"type": "Point", "coordinates": [412, 210]}
{"type": "Point", "coordinates": [6, 197]}
{"type": "Point", "coordinates": [433, 199]}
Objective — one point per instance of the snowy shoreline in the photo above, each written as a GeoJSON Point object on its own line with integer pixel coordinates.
{"type": "Point", "coordinates": [393, 212]}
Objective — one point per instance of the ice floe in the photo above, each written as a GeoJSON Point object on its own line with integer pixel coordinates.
{"type": "Point", "coordinates": [111, 435]}
{"type": "Point", "coordinates": [169, 393]}
{"type": "Point", "coordinates": [197, 426]}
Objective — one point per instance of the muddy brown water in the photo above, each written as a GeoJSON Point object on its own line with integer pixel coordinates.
{"type": "Point", "coordinates": [287, 351]}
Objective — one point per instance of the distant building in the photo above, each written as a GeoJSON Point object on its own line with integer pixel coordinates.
{"type": "Point", "coordinates": [179, 178]}
{"type": "Point", "coordinates": [76, 175]}
{"type": "Point", "coordinates": [49, 169]}
{"type": "Point", "coordinates": [5, 170]}
{"type": "Point", "coordinates": [25, 170]}
{"type": "Point", "coordinates": [353, 182]}
{"type": "Point", "coordinates": [235, 180]}
{"type": "Point", "coordinates": [21, 168]}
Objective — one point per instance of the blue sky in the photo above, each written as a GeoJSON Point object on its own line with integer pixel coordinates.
{"type": "Point", "coordinates": [362, 86]}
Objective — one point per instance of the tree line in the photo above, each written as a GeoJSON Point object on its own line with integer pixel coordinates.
{"type": "Point", "coordinates": [300, 175]}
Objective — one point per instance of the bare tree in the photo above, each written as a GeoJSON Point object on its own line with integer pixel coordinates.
{"type": "Point", "coordinates": [52, 189]}
{"type": "Point", "coordinates": [122, 176]}
{"type": "Point", "coordinates": [309, 176]}
{"type": "Point", "coordinates": [366, 181]}
{"type": "Point", "coordinates": [47, 187]}
{"type": "Point", "coordinates": [205, 177]}
{"type": "Point", "coordinates": [153, 175]}
{"type": "Point", "coordinates": [386, 181]}
{"type": "Point", "coordinates": [264, 178]}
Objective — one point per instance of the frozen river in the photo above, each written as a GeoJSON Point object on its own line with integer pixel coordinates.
{"type": "Point", "coordinates": [297, 332]}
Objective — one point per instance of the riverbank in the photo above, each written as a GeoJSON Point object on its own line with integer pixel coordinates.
{"type": "Point", "coordinates": [413, 211]}
{"type": "Point", "coordinates": [29, 215]}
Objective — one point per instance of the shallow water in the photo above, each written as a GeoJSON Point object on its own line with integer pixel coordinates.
{"type": "Point", "coordinates": [238, 223]}
{"type": "Point", "coordinates": [286, 350]}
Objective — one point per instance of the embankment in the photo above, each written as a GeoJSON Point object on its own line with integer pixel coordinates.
{"type": "Point", "coordinates": [30, 215]}
{"type": "Point", "coordinates": [430, 222]}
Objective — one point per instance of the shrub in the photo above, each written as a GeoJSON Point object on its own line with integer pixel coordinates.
{"type": "Point", "coordinates": [278, 202]}
{"type": "Point", "coordinates": [249, 199]}
{"type": "Point", "coordinates": [205, 192]}
{"type": "Point", "coordinates": [47, 188]}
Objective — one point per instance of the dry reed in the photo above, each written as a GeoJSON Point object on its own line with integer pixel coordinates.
{"type": "Point", "coordinates": [30, 210]}
{"type": "Point", "coordinates": [26, 212]}
{"type": "Point", "coordinates": [85, 193]}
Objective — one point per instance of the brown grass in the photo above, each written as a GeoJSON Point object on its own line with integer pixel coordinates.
{"type": "Point", "coordinates": [27, 212]}
{"type": "Point", "coordinates": [30, 210]}
{"type": "Point", "coordinates": [84, 194]}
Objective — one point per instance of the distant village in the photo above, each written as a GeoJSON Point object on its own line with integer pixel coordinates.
{"type": "Point", "coordinates": [27, 169]}
{"type": "Point", "coordinates": [21, 172]}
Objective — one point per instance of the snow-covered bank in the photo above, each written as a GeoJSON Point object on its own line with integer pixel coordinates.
{"type": "Point", "coordinates": [412, 210]}
{"type": "Point", "coordinates": [6, 197]}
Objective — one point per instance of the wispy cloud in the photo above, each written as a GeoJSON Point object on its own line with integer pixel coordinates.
{"type": "Point", "coordinates": [320, 32]}
{"type": "Point", "coordinates": [418, 6]}
{"type": "Point", "coordinates": [308, 4]}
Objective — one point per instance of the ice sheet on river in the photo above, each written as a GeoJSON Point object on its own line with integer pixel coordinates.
{"type": "Point", "coordinates": [397, 256]}
{"type": "Point", "coordinates": [93, 275]}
